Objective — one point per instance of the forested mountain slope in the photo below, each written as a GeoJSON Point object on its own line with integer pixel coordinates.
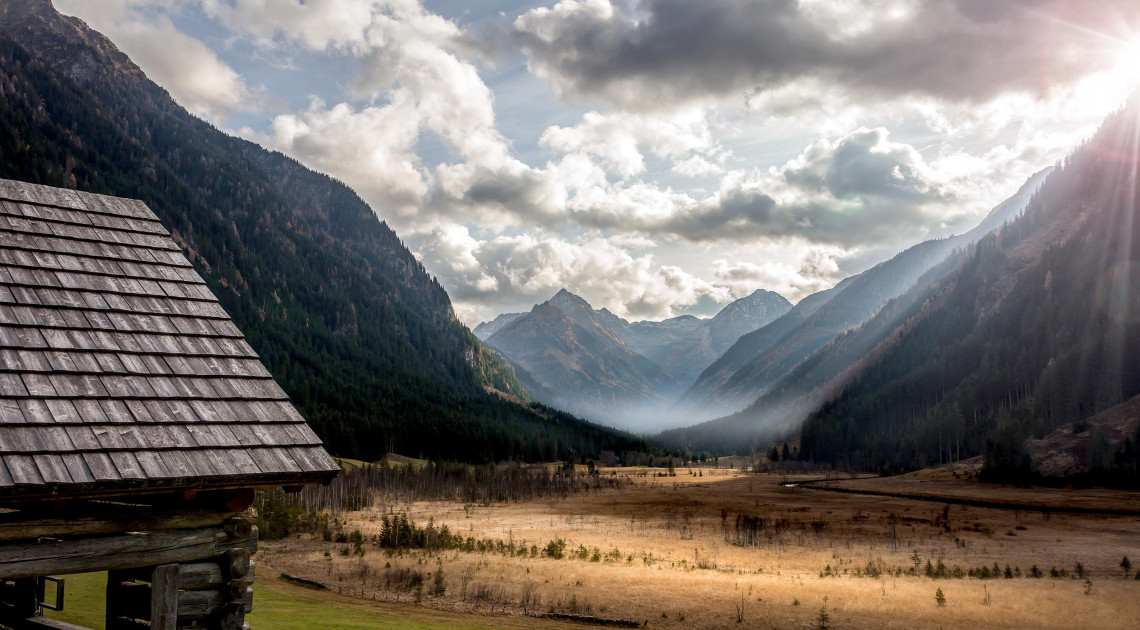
{"type": "Point", "coordinates": [360, 336]}
{"type": "Point", "coordinates": [761, 360]}
{"type": "Point", "coordinates": [1039, 327]}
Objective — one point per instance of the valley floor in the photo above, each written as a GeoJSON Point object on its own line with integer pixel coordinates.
{"type": "Point", "coordinates": [660, 550]}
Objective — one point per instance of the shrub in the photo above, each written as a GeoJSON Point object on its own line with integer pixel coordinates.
{"type": "Point", "coordinates": [940, 597]}
{"type": "Point", "coordinates": [823, 620]}
{"type": "Point", "coordinates": [555, 549]}
{"type": "Point", "coordinates": [438, 588]}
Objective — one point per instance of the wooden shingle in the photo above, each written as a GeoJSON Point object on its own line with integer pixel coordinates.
{"type": "Point", "coordinates": [119, 369]}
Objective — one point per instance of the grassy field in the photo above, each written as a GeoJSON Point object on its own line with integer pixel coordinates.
{"type": "Point", "coordinates": [661, 551]}
{"type": "Point", "coordinates": [716, 548]}
{"type": "Point", "coordinates": [283, 606]}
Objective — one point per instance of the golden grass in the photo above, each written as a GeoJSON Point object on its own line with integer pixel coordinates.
{"type": "Point", "coordinates": [677, 571]}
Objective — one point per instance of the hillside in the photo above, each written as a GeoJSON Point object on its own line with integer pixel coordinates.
{"type": "Point", "coordinates": [761, 360]}
{"type": "Point", "coordinates": [358, 334]}
{"type": "Point", "coordinates": [1037, 329]}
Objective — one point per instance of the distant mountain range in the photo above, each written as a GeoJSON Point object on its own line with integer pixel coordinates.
{"type": "Point", "coordinates": [627, 374]}
{"type": "Point", "coordinates": [752, 372]}
{"type": "Point", "coordinates": [350, 324]}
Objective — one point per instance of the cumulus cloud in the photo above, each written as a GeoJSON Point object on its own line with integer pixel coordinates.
{"type": "Point", "coordinates": [795, 275]}
{"type": "Point", "coordinates": [860, 187]}
{"type": "Point", "coordinates": [657, 53]}
{"type": "Point", "coordinates": [616, 139]}
{"type": "Point", "coordinates": [371, 149]}
{"type": "Point", "coordinates": [416, 72]}
{"type": "Point", "coordinates": [512, 272]}
{"type": "Point", "coordinates": [192, 72]}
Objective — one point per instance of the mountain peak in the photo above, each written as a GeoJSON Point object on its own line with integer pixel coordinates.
{"type": "Point", "coordinates": [760, 299]}
{"type": "Point", "coordinates": [565, 294]}
{"type": "Point", "coordinates": [567, 300]}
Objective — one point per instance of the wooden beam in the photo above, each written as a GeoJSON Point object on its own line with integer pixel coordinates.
{"type": "Point", "coordinates": [106, 519]}
{"type": "Point", "coordinates": [191, 604]}
{"type": "Point", "coordinates": [191, 576]}
{"type": "Point", "coordinates": [238, 527]}
{"type": "Point", "coordinates": [40, 623]}
{"type": "Point", "coordinates": [164, 597]}
{"type": "Point", "coordinates": [117, 489]}
{"type": "Point", "coordinates": [125, 551]}
{"type": "Point", "coordinates": [237, 563]}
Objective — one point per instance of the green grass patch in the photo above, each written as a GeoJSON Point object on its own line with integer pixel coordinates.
{"type": "Point", "coordinates": [281, 606]}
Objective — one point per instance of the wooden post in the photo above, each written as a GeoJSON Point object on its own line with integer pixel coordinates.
{"type": "Point", "coordinates": [114, 599]}
{"type": "Point", "coordinates": [164, 597]}
{"type": "Point", "coordinates": [19, 600]}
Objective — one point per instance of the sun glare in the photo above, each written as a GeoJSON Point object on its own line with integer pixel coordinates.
{"type": "Point", "coordinates": [1128, 64]}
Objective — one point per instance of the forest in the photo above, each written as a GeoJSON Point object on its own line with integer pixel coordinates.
{"type": "Point", "coordinates": [1039, 327]}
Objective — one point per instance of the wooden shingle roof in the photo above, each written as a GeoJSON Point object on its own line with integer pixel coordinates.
{"type": "Point", "coordinates": [119, 369]}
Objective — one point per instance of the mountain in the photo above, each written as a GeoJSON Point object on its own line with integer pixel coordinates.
{"type": "Point", "coordinates": [685, 345]}
{"type": "Point", "coordinates": [486, 329]}
{"type": "Point", "coordinates": [760, 360]}
{"type": "Point", "coordinates": [594, 363]}
{"type": "Point", "coordinates": [580, 361]}
{"type": "Point", "coordinates": [778, 414]}
{"type": "Point", "coordinates": [744, 316]}
{"type": "Point", "coordinates": [1037, 328]}
{"type": "Point", "coordinates": [364, 341]}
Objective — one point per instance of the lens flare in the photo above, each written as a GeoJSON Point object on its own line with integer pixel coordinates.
{"type": "Point", "coordinates": [1128, 64]}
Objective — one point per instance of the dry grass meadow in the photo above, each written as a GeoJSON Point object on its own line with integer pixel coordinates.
{"type": "Point", "coordinates": [660, 551]}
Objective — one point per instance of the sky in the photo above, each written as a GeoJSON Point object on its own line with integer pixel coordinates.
{"type": "Point", "coordinates": [656, 157]}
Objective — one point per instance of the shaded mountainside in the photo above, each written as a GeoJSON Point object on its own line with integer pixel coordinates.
{"type": "Point", "coordinates": [759, 361]}
{"type": "Point", "coordinates": [358, 334]}
{"type": "Point", "coordinates": [779, 413]}
{"type": "Point", "coordinates": [599, 365]}
{"type": "Point", "coordinates": [1037, 329]}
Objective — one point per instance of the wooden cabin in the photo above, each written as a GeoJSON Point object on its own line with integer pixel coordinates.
{"type": "Point", "coordinates": [135, 421]}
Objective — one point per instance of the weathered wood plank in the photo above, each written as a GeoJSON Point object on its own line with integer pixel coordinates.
{"type": "Point", "coordinates": [164, 597]}
{"type": "Point", "coordinates": [39, 623]}
{"type": "Point", "coordinates": [116, 552]}
{"type": "Point", "coordinates": [191, 604]}
{"type": "Point", "coordinates": [18, 526]}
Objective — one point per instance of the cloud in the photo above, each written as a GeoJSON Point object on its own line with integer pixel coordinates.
{"type": "Point", "coordinates": [616, 139]}
{"type": "Point", "coordinates": [193, 74]}
{"type": "Point", "coordinates": [655, 54]}
{"type": "Point", "coordinates": [416, 73]}
{"type": "Point", "coordinates": [316, 24]}
{"type": "Point", "coordinates": [513, 272]}
{"type": "Point", "coordinates": [796, 274]}
{"type": "Point", "coordinates": [371, 149]}
{"type": "Point", "coordinates": [846, 192]}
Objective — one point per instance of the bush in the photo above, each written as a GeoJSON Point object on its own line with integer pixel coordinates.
{"type": "Point", "coordinates": [555, 549]}
{"type": "Point", "coordinates": [438, 588]}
